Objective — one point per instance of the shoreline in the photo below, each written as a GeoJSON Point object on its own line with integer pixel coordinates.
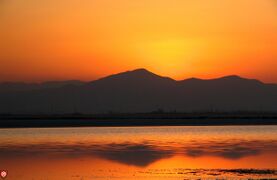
{"type": "Point", "coordinates": [127, 120]}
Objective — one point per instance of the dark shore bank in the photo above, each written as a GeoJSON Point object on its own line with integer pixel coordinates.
{"type": "Point", "coordinates": [139, 119]}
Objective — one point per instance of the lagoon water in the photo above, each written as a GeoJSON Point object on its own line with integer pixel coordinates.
{"type": "Point", "coordinates": [125, 153]}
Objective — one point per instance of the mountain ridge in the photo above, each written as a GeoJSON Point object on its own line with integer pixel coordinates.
{"type": "Point", "coordinates": [139, 71]}
{"type": "Point", "coordinates": [143, 91]}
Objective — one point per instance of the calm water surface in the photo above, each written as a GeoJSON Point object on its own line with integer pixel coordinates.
{"type": "Point", "coordinates": [228, 152]}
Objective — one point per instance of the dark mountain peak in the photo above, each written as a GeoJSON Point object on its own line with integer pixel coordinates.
{"type": "Point", "coordinates": [236, 78]}
{"type": "Point", "coordinates": [231, 80]}
{"type": "Point", "coordinates": [225, 78]}
{"type": "Point", "coordinates": [139, 73]}
{"type": "Point", "coordinates": [232, 77]}
{"type": "Point", "coordinates": [134, 76]}
{"type": "Point", "coordinates": [140, 70]}
{"type": "Point", "coordinates": [192, 79]}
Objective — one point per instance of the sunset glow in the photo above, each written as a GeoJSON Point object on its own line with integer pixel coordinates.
{"type": "Point", "coordinates": [89, 39]}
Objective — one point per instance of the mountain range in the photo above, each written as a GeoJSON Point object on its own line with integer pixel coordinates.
{"type": "Point", "coordinates": [138, 91]}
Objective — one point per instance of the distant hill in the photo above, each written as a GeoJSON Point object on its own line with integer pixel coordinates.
{"type": "Point", "coordinates": [20, 86]}
{"type": "Point", "coordinates": [138, 91]}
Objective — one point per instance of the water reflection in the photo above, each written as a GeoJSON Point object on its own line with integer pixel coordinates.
{"type": "Point", "coordinates": [230, 151]}
{"type": "Point", "coordinates": [134, 154]}
{"type": "Point", "coordinates": [141, 151]}
{"type": "Point", "coordinates": [141, 154]}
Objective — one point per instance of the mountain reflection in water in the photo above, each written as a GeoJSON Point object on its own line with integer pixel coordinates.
{"type": "Point", "coordinates": [140, 150]}
{"type": "Point", "coordinates": [141, 154]}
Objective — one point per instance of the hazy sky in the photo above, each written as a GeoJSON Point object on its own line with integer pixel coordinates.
{"type": "Point", "coordinates": [87, 39]}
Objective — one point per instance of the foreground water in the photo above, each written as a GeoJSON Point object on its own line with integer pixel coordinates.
{"type": "Point", "coordinates": [214, 152]}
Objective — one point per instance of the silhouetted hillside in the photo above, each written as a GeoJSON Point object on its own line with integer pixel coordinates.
{"type": "Point", "coordinates": [20, 86]}
{"type": "Point", "coordinates": [139, 91]}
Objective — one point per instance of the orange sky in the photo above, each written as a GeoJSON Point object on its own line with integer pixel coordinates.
{"type": "Point", "coordinates": [87, 39]}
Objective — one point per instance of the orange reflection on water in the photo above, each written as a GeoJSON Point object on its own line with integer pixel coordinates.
{"type": "Point", "coordinates": [139, 153]}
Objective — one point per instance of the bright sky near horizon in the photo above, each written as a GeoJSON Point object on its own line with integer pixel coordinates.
{"type": "Point", "coordinates": [87, 39]}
